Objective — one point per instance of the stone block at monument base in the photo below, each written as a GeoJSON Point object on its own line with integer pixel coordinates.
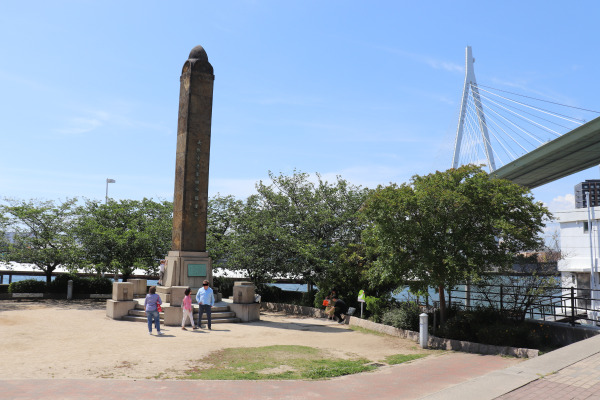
{"type": "Point", "coordinates": [177, 294]}
{"type": "Point", "coordinates": [243, 292]}
{"type": "Point", "coordinates": [119, 309]}
{"type": "Point", "coordinates": [246, 312]}
{"type": "Point", "coordinates": [165, 293]}
{"type": "Point", "coordinates": [188, 269]}
{"type": "Point", "coordinates": [172, 316]}
{"type": "Point", "coordinates": [122, 291]}
{"type": "Point", "coordinates": [139, 287]}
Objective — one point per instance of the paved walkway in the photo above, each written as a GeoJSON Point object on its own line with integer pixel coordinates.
{"type": "Point", "coordinates": [405, 381]}
{"type": "Point", "coordinates": [572, 372]}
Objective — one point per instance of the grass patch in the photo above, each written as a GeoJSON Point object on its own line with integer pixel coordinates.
{"type": "Point", "coordinates": [402, 358]}
{"type": "Point", "coordinates": [365, 330]}
{"type": "Point", "coordinates": [274, 362]}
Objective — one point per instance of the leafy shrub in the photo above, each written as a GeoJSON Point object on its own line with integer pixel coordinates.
{"type": "Point", "coordinates": [308, 298]}
{"type": "Point", "coordinates": [224, 285]}
{"type": "Point", "coordinates": [81, 285]}
{"type": "Point", "coordinates": [99, 285]}
{"type": "Point", "coordinates": [3, 288]}
{"type": "Point", "coordinates": [27, 286]}
{"type": "Point", "coordinates": [489, 326]}
{"type": "Point", "coordinates": [376, 306]}
{"type": "Point", "coordinates": [274, 294]}
{"type": "Point", "coordinates": [404, 316]}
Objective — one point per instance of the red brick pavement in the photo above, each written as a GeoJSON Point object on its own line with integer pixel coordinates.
{"type": "Point", "coordinates": [406, 381]}
{"type": "Point", "coordinates": [578, 381]}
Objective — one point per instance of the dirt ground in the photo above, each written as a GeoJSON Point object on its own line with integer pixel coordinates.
{"type": "Point", "coordinates": [75, 339]}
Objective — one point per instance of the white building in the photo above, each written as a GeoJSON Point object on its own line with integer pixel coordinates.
{"type": "Point", "coordinates": [580, 248]}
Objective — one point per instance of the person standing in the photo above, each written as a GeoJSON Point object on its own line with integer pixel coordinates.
{"type": "Point", "coordinates": [161, 272]}
{"type": "Point", "coordinates": [188, 311]}
{"type": "Point", "coordinates": [206, 300]}
{"type": "Point", "coordinates": [151, 306]}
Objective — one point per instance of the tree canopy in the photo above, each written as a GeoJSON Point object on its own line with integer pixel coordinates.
{"type": "Point", "coordinates": [293, 227]}
{"type": "Point", "coordinates": [41, 234]}
{"type": "Point", "coordinates": [124, 235]}
{"type": "Point", "coordinates": [443, 228]}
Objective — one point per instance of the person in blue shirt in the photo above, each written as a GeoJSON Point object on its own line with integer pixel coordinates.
{"type": "Point", "coordinates": [206, 300]}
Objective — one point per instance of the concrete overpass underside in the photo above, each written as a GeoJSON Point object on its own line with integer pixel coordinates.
{"type": "Point", "coordinates": [572, 152]}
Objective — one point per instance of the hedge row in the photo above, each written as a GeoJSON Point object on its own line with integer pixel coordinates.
{"type": "Point", "coordinates": [81, 285]}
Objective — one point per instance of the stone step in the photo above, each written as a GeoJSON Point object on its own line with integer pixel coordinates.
{"type": "Point", "coordinates": [140, 306]}
{"type": "Point", "coordinates": [213, 320]}
{"type": "Point", "coordinates": [214, 314]}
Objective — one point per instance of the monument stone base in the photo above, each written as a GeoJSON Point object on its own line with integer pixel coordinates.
{"type": "Point", "coordinates": [188, 269]}
{"type": "Point", "coordinates": [246, 312]}
{"type": "Point", "coordinates": [118, 309]}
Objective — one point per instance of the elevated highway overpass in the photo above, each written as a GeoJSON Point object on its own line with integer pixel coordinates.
{"type": "Point", "coordinates": [572, 152]}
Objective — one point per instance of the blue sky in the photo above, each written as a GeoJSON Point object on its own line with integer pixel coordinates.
{"type": "Point", "coordinates": [366, 90]}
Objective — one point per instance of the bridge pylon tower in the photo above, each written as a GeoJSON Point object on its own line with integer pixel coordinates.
{"type": "Point", "coordinates": [470, 86]}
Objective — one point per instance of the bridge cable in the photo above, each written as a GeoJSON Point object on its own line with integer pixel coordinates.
{"type": "Point", "coordinates": [546, 101]}
{"type": "Point", "coordinates": [570, 119]}
{"type": "Point", "coordinates": [522, 117]}
{"type": "Point", "coordinates": [517, 126]}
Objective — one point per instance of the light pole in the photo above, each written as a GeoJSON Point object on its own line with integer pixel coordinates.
{"type": "Point", "coordinates": [108, 180]}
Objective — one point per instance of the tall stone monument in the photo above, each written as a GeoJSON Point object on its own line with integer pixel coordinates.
{"type": "Point", "coordinates": [188, 263]}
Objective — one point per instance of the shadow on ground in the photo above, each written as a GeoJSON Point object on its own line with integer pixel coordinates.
{"type": "Point", "coordinates": [12, 305]}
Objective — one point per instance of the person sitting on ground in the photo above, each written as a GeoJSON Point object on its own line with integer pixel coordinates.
{"type": "Point", "coordinates": [331, 309]}
{"type": "Point", "coordinates": [340, 308]}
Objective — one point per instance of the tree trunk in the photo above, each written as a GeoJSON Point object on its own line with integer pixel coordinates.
{"type": "Point", "coordinates": [48, 276]}
{"type": "Point", "coordinates": [442, 305]}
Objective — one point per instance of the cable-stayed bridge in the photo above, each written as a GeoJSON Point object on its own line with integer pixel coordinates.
{"type": "Point", "coordinates": [526, 139]}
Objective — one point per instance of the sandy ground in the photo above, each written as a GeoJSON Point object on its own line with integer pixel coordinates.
{"type": "Point", "coordinates": [60, 339]}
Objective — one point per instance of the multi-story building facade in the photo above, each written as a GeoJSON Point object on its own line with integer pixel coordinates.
{"type": "Point", "coordinates": [581, 189]}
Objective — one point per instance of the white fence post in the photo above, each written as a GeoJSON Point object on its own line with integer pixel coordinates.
{"type": "Point", "coordinates": [423, 332]}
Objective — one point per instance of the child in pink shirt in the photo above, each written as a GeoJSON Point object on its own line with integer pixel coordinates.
{"type": "Point", "coordinates": [188, 311]}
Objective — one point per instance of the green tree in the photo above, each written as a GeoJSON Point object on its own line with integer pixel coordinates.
{"type": "Point", "coordinates": [222, 214]}
{"type": "Point", "coordinates": [4, 239]}
{"type": "Point", "coordinates": [292, 227]}
{"type": "Point", "coordinates": [41, 234]}
{"type": "Point", "coordinates": [443, 228]}
{"type": "Point", "coordinates": [312, 219]}
{"type": "Point", "coordinates": [125, 235]}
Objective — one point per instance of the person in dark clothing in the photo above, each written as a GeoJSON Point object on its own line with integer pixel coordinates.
{"type": "Point", "coordinates": [340, 308]}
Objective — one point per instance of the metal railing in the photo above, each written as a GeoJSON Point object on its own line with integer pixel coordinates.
{"type": "Point", "coordinates": [560, 304]}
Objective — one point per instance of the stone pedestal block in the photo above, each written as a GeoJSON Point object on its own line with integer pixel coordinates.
{"type": "Point", "coordinates": [188, 268]}
{"type": "Point", "coordinates": [139, 287]}
{"type": "Point", "coordinates": [246, 312]}
{"type": "Point", "coordinates": [122, 291]}
{"type": "Point", "coordinates": [165, 293]}
{"type": "Point", "coordinates": [172, 316]}
{"type": "Point", "coordinates": [243, 292]}
{"type": "Point", "coordinates": [118, 309]}
{"type": "Point", "coordinates": [177, 294]}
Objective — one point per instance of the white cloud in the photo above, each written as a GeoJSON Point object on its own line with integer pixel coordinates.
{"type": "Point", "coordinates": [562, 203]}
{"type": "Point", "coordinates": [78, 125]}
{"type": "Point", "coordinates": [424, 59]}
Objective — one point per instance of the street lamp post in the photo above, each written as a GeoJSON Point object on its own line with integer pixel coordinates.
{"type": "Point", "coordinates": [108, 180]}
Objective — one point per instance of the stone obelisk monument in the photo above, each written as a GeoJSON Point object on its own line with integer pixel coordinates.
{"type": "Point", "coordinates": [188, 263]}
